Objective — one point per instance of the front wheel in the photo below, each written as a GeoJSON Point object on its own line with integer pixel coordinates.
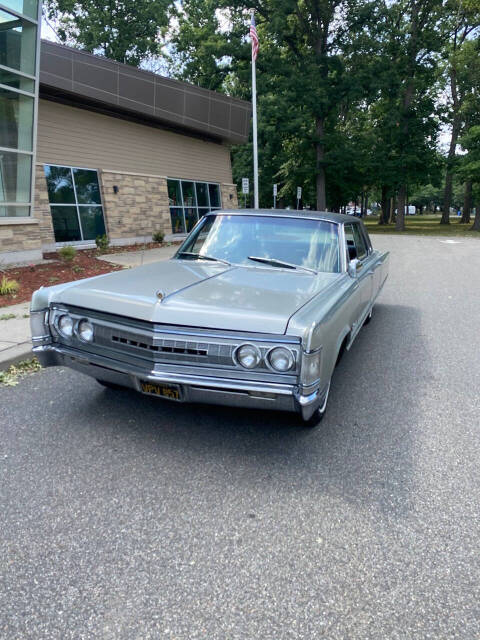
{"type": "Point", "coordinates": [369, 317]}
{"type": "Point", "coordinates": [318, 414]}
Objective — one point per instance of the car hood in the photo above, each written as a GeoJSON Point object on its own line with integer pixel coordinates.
{"type": "Point", "coordinates": [212, 295]}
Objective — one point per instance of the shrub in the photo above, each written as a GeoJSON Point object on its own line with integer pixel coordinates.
{"type": "Point", "coordinates": [67, 253]}
{"type": "Point", "coordinates": [158, 236]}
{"type": "Point", "coordinates": [8, 286]}
{"type": "Point", "coordinates": [102, 242]}
{"type": "Point", "coordinates": [77, 269]}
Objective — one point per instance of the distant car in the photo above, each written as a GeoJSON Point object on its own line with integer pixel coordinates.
{"type": "Point", "coordinates": [254, 310]}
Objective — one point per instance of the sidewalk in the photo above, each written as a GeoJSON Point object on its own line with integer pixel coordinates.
{"type": "Point", "coordinates": [15, 344]}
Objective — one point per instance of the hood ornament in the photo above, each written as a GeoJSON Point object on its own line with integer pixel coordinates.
{"type": "Point", "coordinates": [160, 295]}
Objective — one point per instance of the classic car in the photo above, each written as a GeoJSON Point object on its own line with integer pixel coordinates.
{"type": "Point", "coordinates": [253, 310]}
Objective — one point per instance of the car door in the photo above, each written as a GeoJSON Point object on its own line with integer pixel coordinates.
{"type": "Point", "coordinates": [357, 248]}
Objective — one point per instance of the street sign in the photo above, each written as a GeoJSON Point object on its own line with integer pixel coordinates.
{"type": "Point", "coordinates": [274, 189]}
{"type": "Point", "coordinates": [245, 186]}
{"type": "Point", "coordinates": [299, 193]}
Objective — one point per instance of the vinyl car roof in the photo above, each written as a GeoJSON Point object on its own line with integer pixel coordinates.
{"type": "Point", "coordinates": [338, 218]}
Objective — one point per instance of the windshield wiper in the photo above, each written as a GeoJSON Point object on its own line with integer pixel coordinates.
{"type": "Point", "coordinates": [280, 263]}
{"type": "Point", "coordinates": [202, 256]}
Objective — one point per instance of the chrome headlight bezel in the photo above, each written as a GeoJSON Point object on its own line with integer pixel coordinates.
{"type": "Point", "coordinates": [289, 356]}
{"type": "Point", "coordinates": [58, 319]}
{"type": "Point", "coordinates": [256, 351]}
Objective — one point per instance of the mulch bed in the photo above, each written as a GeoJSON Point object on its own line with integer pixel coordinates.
{"type": "Point", "coordinates": [84, 265]}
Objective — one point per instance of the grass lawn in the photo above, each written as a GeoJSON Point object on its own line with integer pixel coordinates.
{"type": "Point", "coordinates": [426, 225]}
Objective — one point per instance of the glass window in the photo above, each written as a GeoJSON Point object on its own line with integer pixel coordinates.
{"type": "Point", "coordinates": [15, 81]}
{"type": "Point", "coordinates": [189, 201]}
{"type": "Point", "coordinates": [359, 242]}
{"type": "Point", "coordinates": [17, 43]}
{"type": "Point", "coordinates": [27, 7]}
{"type": "Point", "coordinates": [191, 217]}
{"type": "Point", "coordinates": [214, 190]}
{"type": "Point", "coordinates": [59, 185]}
{"type": "Point", "coordinates": [75, 203]}
{"type": "Point", "coordinates": [65, 224]}
{"type": "Point", "coordinates": [92, 222]}
{"type": "Point", "coordinates": [13, 211]}
{"type": "Point", "coordinates": [202, 194]}
{"type": "Point", "coordinates": [174, 193]}
{"type": "Point", "coordinates": [308, 243]}
{"type": "Point", "coordinates": [15, 176]}
{"type": "Point", "coordinates": [188, 190]}
{"type": "Point", "coordinates": [16, 120]}
{"type": "Point", "coordinates": [86, 185]}
{"type": "Point", "coordinates": [176, 217]}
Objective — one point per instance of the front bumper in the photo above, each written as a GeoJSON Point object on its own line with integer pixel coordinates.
{"type": "Point", "coordinates": [195, 388]}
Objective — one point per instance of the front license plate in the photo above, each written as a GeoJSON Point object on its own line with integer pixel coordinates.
{"type": "Point", "coordinates": [170, 391]}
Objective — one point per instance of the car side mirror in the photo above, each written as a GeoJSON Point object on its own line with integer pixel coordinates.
{"type": "Point", "coordinates": [354, 267]}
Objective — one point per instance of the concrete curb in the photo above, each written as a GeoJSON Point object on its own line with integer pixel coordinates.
{"type": "Point", "coordinates": [15, 354]}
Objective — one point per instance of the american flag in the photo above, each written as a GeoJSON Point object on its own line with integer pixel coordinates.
{"type": "Point", "coordinates": [254, 38]}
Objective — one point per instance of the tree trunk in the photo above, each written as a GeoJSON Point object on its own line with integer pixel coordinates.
{"type": "Point", "coordinates": [421, 209]}
{"type": "Point", "coordinates": [467, 203]}
{"type": "Point", "coordinates": [447, 194]}
{"type": "Point", "coordinates": [402, 198]}
{"type": "Point", "coordinates": [393, 206]}
{"type": "Point", "coordinates": [320, 153]}
{"type": "Point", "coordinates": [476, 222]}
{"type": "Point", "coordinates": [385, 204]}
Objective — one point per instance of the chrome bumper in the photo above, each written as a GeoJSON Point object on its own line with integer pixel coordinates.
{"type": "Point", "coordinates": [201, 389]}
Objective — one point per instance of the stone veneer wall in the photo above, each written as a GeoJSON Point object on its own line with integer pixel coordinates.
{"type": "Point", "coordinates": [138, 209]}
{"type": "Point", "coordinates": [41, 209]}
{"type": "Point", "coordinates": [19, 240]}
{"type": "Point", "coordinates": [226, 191]}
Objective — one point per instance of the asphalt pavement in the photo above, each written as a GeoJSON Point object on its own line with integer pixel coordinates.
{"type": "Point", "coordinates": [126, 517]}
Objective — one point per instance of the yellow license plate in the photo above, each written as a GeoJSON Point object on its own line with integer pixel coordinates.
{"type": "Point", "coordinates": [170, 391]}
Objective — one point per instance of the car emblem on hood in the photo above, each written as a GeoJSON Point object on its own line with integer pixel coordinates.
{"type": "Point", "coordinates": [160, 295]}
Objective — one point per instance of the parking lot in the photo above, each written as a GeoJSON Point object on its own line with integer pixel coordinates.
{"type": "Point", "coordinates": [123, 516]}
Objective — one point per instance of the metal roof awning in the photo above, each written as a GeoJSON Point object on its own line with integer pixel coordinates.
{"type": "Point", "coordinates": [85, 80]}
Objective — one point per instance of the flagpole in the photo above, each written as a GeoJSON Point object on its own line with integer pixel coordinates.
{"type": "Point", "coordinates": [255, 146]}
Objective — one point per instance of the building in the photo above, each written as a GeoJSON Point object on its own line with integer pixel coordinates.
{"type": "Point", "coordinates": [19, 68]}
{"type": "Point", "coordinates": [124, 152]}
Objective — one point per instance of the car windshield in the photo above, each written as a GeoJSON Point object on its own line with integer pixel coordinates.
{"type": "Point", "coordinates": [265, 240]}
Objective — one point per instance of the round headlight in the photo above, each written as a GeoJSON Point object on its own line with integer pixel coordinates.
{"type": "Point", "coordinates": [85, 330]}
{"type": "Point", "coordinates": [65, 326]}
{"type": "Point", "coordinates": [248, 355]}
{"type": "Point", "coordinates": [281, 359]}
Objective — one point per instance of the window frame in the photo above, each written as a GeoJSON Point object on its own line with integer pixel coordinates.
{"type": "Point", "coordinates": [76, 204]}
{"type": "Point", "coordinates": [197, 208]}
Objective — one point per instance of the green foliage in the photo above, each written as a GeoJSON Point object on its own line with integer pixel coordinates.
{"type": "Point", "coordinates": [8, 286]}
{"type": "Point", "coordinates": [67, 253]}
{"type": "Point", "coordinates": [77, 269]}
{"type": "Point", "coordinates": [14, 373]}
{"type": "Point", "coordinates": [7, 316]}
{"type": "Point", "coordinates": [127, 31]}
{"type": "Point", "coordinates": [158, 236]}
{"type": "Point", "coordinates": [102, 242]}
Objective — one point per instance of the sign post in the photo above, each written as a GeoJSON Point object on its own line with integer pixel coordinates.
{"type": "Point", "coordinates": [299, 196]}
{"type": "Point", "coordinates": [245, 191]}
{"type": "Point", "coordinates": [274, 196]}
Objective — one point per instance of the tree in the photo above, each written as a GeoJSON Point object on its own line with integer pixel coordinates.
{"type": "Point", "coordinates": [464, 19]}
{"type": "Point", "coordinates": [127, 31]}
{"type": "Point", "coordinates": [470, 165]}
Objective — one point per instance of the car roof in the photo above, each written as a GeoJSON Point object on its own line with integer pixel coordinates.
{"type": "Point", "coordinates": [338, 218]}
